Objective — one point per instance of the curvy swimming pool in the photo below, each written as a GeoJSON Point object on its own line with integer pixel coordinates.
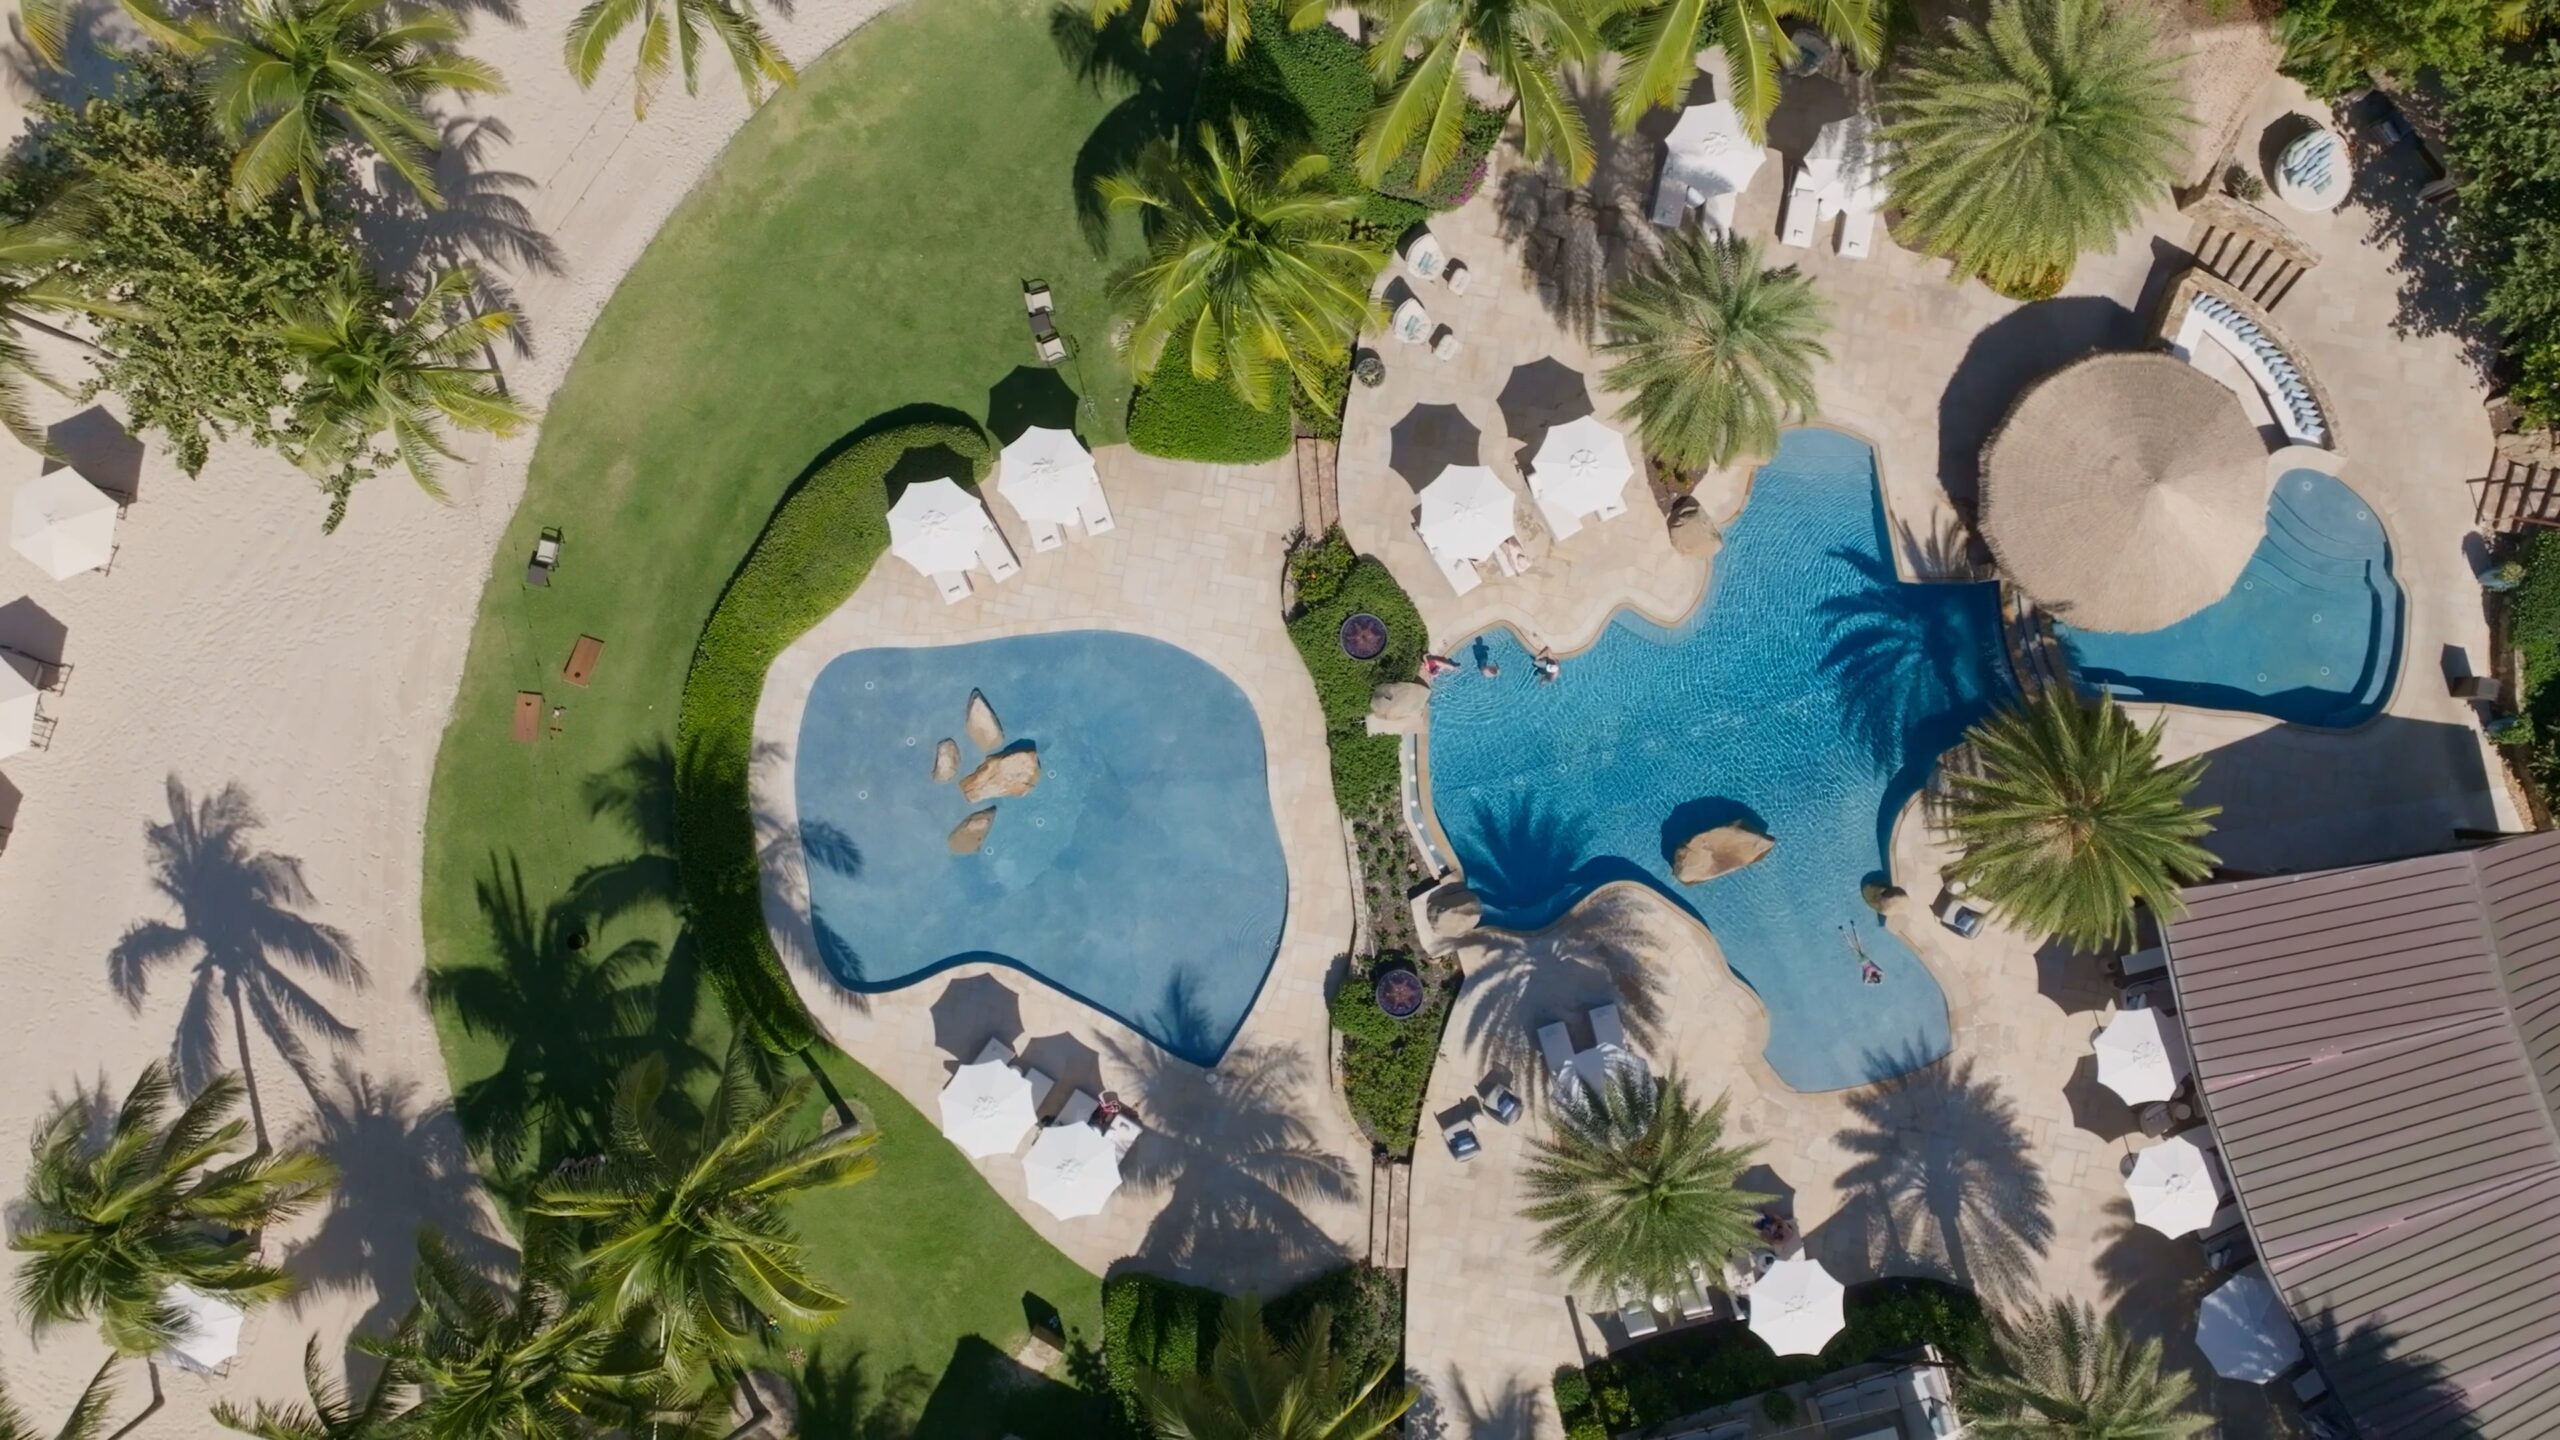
{"type": "Point", "coordinates": [1810, 694]}
{"type": "Point", "coordinates": [2309, 634]}
{"type": "Point", "coordinates": [1142, 874]}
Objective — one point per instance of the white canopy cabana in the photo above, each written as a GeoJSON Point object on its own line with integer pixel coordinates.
{"type": "Point", "coordinates": [2172, 1190]}
{"type": "Point", "coordinates": [1796, 1306]}
{"type": "Point", "coordinates": [1467, 512]}
{"type": "Point", "coordinates": [1072, 1170]}
{"type": "Point", "coordinates": [2133, 1058]}
{"type": "Point", "coordinates": [1581, 468]}
{"type": "Point", "coordinates": [1049, 477]}
{"type": "Point", "coordinates": [2243, 1329]}
{"type": "Point", "coordinates": [1708, 159]}
{"type": "Point", "coordinates": [209, 1335]}
{"type": "Point", "coordinates": [988, 1106]}
{"type": "Point", "coordinates": [63, 524]}
{"type": "Point", "coordinates": [17, 709]}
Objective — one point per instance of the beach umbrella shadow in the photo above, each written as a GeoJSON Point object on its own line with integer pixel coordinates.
{"type": "Point", "coordinates": [973, 1010]}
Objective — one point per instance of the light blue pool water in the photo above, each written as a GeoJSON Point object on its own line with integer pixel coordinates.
{"type": "Point", "coordinates": [1809, 693]}
{"type": "Point", "coordinates": [2309, 634]}
{"type": "Point", "coordinates": [1142, 875]}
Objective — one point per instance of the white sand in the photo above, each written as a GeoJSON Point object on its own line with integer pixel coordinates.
{"type": "Point", "coordinates": [233, 644]}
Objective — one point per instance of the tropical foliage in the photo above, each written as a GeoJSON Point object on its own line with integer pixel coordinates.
{"type": "Point", "coordinates": [114, 1221]}
{"type": "Point", "coordinates": [88, 1419]}
{"type": "Point", "coordinates": [690, 1240]}
{"type": "Point", "coordinates": [674, 33]}
{"type": "Point", "coordinates": [377, 386]}
{"type": "Point", "coordinates": [2059, 1373]}
{"type": "Point", "coordinates": [1228, 20]}
{"type": "Point", "coordinates": [1661, 57]}
{"type": "Point", "coordinates": [1524, 45]}
{"type": "Point", "coordinates": [2335, 46]}
{"type": "Point", "coordinates": [33, 283]}
{"type": "Point", "coordinates": [1715, 352]}
{"type": "Point", "coordinates": [2502, 128]}
{"type": "Point", "coordinates": [327, 1412]}
{"type": "Point", "coordinates": [1248, 267]}
{"type": "Point", "coordinates": [1256, 1387]}
{"type": "Point", "coordinates": [1636, 1186]}
{"type": "Point", "coordinates": [2040, 134]}
{"type": "Point", "coordinates": [2067, 817]}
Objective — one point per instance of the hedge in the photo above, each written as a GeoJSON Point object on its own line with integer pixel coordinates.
{"type": "Point", "coordinates": [1325, 75]}
{"type": "Point", "coordinates": [1169, 1328]}
{"type": "Point", "coordinates": [1386, 1062]}
{"type": "Point", "coordinates": [1365, 769]}
{"type": "Point", "coordinates": [1710, 1365]}
{"type": "Point", "coordinates": [2533, 619]}
{"type": "Point", "coordinates": [1180, 416]}
{"type": "Point", "coordinates": [818, 546]}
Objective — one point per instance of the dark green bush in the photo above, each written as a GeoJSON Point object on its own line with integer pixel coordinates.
{"type": "Point", "coordinates": [1180, 416]}
{"type": "Point", "coordinates": [1364, 765]}
{"type": "Point", "coordinates": [817, 547]}
{"type": "Point", "coordinates": [2533, 627]}
{"type": "Point", "coordinates": [1319, 570]}
{"type": "Point", "coordinates": [1367, 1307]}
{"type": "Point", "coordinates": [1325, 75]}
{"type": "Point", "coordinates": [1386, 1062]}
{"type": "Point", "coordinates": [1706, 1366]}
{"type": "Point", "coordinates": [1169, 1328]}
{"type": "Point", "coordinates": [1319, 413]}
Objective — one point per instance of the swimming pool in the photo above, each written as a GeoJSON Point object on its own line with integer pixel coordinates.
{"type": "Point", "coordinates": [1809, 694]}
{"type": "Point", "coordinates": [1142, 874]}
{"type": "Point", "coordinates": [2309, 634]}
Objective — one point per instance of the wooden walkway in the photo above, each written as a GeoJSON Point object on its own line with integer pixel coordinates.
{"type": "Point", "coordinates": [2522, 487]}
{"type": "Point", "coordinates": [1390, 1200]}
{"type": "Point", "coordinates": [1319, 494]}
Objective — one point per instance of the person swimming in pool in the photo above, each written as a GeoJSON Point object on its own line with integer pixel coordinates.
{"type": "Point", "coordinates": [1546, 666]}
{"type": "Point", "coordinates": [1869, 974]}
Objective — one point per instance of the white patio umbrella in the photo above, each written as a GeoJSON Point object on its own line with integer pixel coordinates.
{"type": "Point", "coordinates": [1467, 513]}
{"type": "Point", "coordinates": [987, 1107]}
{"type": "Point", "coordinates": [1795, 1307]}
{"type": "Point", "coordinates": [1046, 474]}
{"type": "Point", "coordinates": [937, 527]}
{"type": "Point", "coordinates": [17, 709]}
{"type": "Point", "coordinates": [63, 523]}
{"type": "Point", "coordinates": [2172, 1190]}
{"type": "Point", "coordinates": [210, 1332]}
{"type": "Point", "coordinates": [2243, 1329]}
{"type": "Point", "coordinates": [2133, 1058]}
{"type": "Point", "coordinates": [1712, 150]}
{"type": "Point", "coordinates": [1072, 1170]}
{"type": "Point", "coordinates": [1581, 466]}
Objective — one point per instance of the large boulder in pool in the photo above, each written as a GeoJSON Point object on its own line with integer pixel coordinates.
{"type": "Point", "coordinates": [1002, 776]}
{"type": "Point", "coordinates": [970, 834]}
{"type": "Point", "coordinates": [984, 732]}
{"type": "Point", "coordinates": [1692, 533]}
{"type": "Point", "coordinates": [946, 761]}
{"type": "Point", "coordinates": [1720, 851]}
{"type": "Point", "coordinates": [1399, 709]}
{"type": "Point", "coordinates": [1453, 911]}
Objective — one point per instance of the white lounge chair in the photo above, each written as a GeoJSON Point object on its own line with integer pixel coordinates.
{"type": "Point", "coordinates": [1606, 1029]}
{"type": "Point", "coordinates": [1078, 1109]}
{"type": "Point", "coordinates": [1612, 509]}
{"type": "Point", "coordinates": [1123, 1133]}
{"type": "Point", "coordinates": [1045, 536]}
{"type": "Point", "coordinates": [1462, 575]}
{"type": "Point", "coordinates": [1857, 233]}
{"type": "Point", "coordinates": [1444, 345]}
{"type": "Point", "coordinates": [1561, 523]}
{"type": "Point", "coordinates": [1638, 1317]}
{"type": "Point", "coordinates": [1411, 324]}
{"type": "Point", "coordinates": [1694, 1303]}
{"type": "Point", "coordinates": [1507, 559]}
{"type": "Point", "coordinates": [994, 1050]}
{"type": "Point", "coordinates": [1096, 512]}
{"type": "Point", "coordinates": [954, 585]}
{"type": "Point", "coordinates": [1423, 255]}
{"type": "Point", "coordinates": [997, 556]}
{"type": "Point", "coordinates": [1802, 213]}
{"type": "Point", "coordinates": [1720, 208]}
{"type": "Point", "coordinates": [1555, 1046]}
{"type": "Point", "coordinates": [1041, 1085]}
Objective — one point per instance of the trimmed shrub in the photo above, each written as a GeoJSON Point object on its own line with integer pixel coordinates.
{"type": "Point", "coordinates": [1364, 765]}
{"type": "Point", "coordinates": [818, 546]}
{"type": "Point", "coordinates": [1386, 1062]}
{"type": "Point", "coordinates": [2533, 627]}
{"type": "Point", "coordinates": [1325, 75]}
{"type": "Point", "coordinates": [1180, 416]}
{"type": "Point", "coordinates": [1169, 1328]}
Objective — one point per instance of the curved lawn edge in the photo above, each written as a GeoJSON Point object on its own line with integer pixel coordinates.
{"type": "Point", "coordinates": [831, 526]}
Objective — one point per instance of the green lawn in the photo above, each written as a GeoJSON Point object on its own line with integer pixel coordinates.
{"type": "Point", "coordinates": [858, 250]}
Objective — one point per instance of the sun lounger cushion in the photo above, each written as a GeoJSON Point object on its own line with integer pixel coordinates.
{"type": "Point", "coordinates": [993, 1050]}
{"type": "Point", "coordinates": [1607, 1028]}
{"type": "Point", "coordinates": [954, 586]}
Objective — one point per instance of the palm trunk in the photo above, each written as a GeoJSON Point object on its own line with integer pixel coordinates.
{"type": "Point", "coordinates": [248, 1073]}
{"type": "Point", "coordinates": [845, 1117]}
{"type": "Point", "coordinates": [756, 1413]}
{"type": "Point", "coordinates": [151, 1367]}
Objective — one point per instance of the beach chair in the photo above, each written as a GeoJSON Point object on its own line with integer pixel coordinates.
{"type": "Point", "coordinates": [1411, 323]}
{"type": "Point", "coordinates": [994, 1050]}
{"type": "Point", "coordinates": [953, 585]}
{"type": "Point", "coordinates": [1857, 234]}
{"type": "Point", "coordinates": [546, 558]}
{"type": "Point", "coordinates": [1561, 523]}
{"type": "Point", "coordinates": [1672, 196]}
{"type": "Point", "coordinates": [1035, 297]}
{"type": "Point", "coordinates": [1444, 345]}
{"type": "Point", "coordinates": [1719, 210]}
{"type": "Point", "coordinates": [1462, 575]}
{"type": "Point", "coordinates": [1606, 1029]}
{"type": "Point", "coordinates": [1045, 536]}
{"type": "Point", "coordinates": [1078, 1109]}
{"type": "Point", "coordinates": [1457, 275]}
{"type": "Point", "coordinates": [997, 556]}
{"type": "Point", "coordinates": [1555, 1046]}
{"type": "Point", "coordinates": [1123, 1133]}
{"type": "Point", "coordinates": [1423, 255]}
{"type": "Point", "coordinates": [1636, 1315]}
{"type": "Point", "coordinates": [1096, 511]}
{"type": "Point", "coordinates": [1611, 509]}
{"type": "Point", "coordinates": [1802, 213]}
{"type": "Point", "coordinates": [1694, 1304]}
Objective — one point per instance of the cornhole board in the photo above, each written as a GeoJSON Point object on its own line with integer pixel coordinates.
{"type": "Point", "coordinates": [582, 661]}
{"type": "Point", "coordinates": [528, 716]}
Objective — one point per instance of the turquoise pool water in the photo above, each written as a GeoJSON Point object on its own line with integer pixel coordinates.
{"type": "Point", "coordinates": [1142, 875]}
{"type": "Point", "coordinates": [2309, 634]}
{"type": "Point", "coordinates": [1810, 693]}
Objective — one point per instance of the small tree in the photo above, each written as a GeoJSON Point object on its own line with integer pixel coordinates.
{"type": "Point", "coordinates": [1637, 1186]}
{"type": "Point", "coordinates": [1716, 353]}
{"type": "Point", "coordinates": [1257, 1388]}
{"type": "Point", "coordinates": [1524, 45]}
{"type": "Point", "coordinates": [2058, 1373]}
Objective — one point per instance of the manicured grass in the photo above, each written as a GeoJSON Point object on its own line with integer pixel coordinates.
{"type": "Point", "coordinates": [858, 250]}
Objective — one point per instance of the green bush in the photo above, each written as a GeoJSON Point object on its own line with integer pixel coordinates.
{"type": "Point", "coordinates": [1180, 416]}
{"type": "Point", "coordinates": [1169, 1328]}
{"type": "Point", "coordinates": [1386, 1062]}
{"type": "Point", "coordinates": [817, 547]}
{"type": "Point", "coordinates": [1367, 1307]}
{"type": "Point", "coordinates": [1365, 768]}
{"type": "Point", "coordinates": [1325, 75]}
{"type": "Point", "coordinates": [1319, 570]}
{"type": "Point", "coordinates": [1710, 1365]}
{"type": "Point", "coordinates": [2533, 627]}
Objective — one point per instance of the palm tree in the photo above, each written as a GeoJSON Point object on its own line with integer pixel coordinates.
{"type": "Point", "coordinates": [1231, 20]}
{"type": "Point", "coordinates": [1523, 44]}
{"type": "Point", "coordinates": [88, 1413]}
{"type": "Point", "coordinates": [2025, 141]}
{"type": "Point", "coordinates": [32, 282]}
{"type": "Point", "coordinates": [492, 1364]}
{"type": "Point", "coordinates": [2071, 818]}
{"type": "Point", "coordinates": [691, 1243]}
{"type": "Point", "coordinates": [370, 374]}
{"type": "Point", "coordinates": [1716, 352]}
{"type": "Point", "coordinates": [2059, 1373]}
{"type": "Point", "coordinates": [330, 1414]}
{"type": "Point", "coordinates": [1660, 61]}
{"type": "Point", "coordinates": [116, 1222]}
{"type": "Point", "coordinates": [1257, 1388]}
{"type": "Point", "coordinates": [238, 917]}
{"type": "Point", "coordinates": [287, 78]}
{"type": "Point", "coordinates": [1246, 266]}
{"type": "Point", "coordinates": [1636, 1186]}
{"type": "Point", "coordinates": [673, 30]}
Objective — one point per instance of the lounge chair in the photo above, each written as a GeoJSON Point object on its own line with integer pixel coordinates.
{"type": "Point", "coordinates": [1444, 345]}
{"type": "Point", "coordinates": [1078, 1109]}
{"type": "Point", "coordinates": [1555, 1046]}
{"type": "Point", "coordinates": [1463, 576]}
{"type": "Point", "coordinates": [1123, 1133]}
{"type": "Point", "coordinates": [994, 1050]}
{"type": "Point", "coordinates": [1045, 337]}
{"type": "Point", "coordinates": [546, 558]}
{"type": "Point", "coordinates": [1035, 297]}
{"type": "Point", "coordinates": [1045, 536]}
{"type": "Point", "coordinates": [1561, 523]}
{"type": "Point", "coordinates": [998, 557]}
{"type": "Point", "coordinates": [1096, 512]}
{"type": "Point", "coordinates": [1719, 211]}
{"type": "Point", "coordinates": [1606, 1028]}
{"type": "Point", "coordinates": [1802, 213]}
{"type": "Point", "coordinates": [1041, 1085]}
{"type": "Point", "coordinates": [1411, 323]}
{"type": "Point", "coordinates": [1506, 558]}
{"type": "Point", "coordinates": [1635, 1314]}
{"type": "Point", "coordinates": [954, 585]}
{"type": "Point", "coordinates": [1611, 509]}
{"type": "Point", "coordinates": [1857, 234]}
{"type": "Point", "coordinates": [1694, 1301]}
{"type": "Point", "coordinates": [1957, 915]}
{"type": "Point", "coordinates": [1460, 1137]}
{"type": "Point", "coordinates": [1457, 275]}
{"type": "Point", "coordinates": [1423, 255]}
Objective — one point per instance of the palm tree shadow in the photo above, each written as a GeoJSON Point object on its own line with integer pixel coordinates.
{"type": "Point", "coordinates": [838, 1399]}
{"type": "Point", "coordinates": [1944, 1181]}
{"type": "Point", "coordinates": [1159, 84]}
{"type": "Point", "coordinates": [1903, 662]}
{"type": "Point", "coordinates": [1511, 1413]}
{"type": "Point", "coordinates": [2389, 1389]}
{"type": "Point", "coordinates": [485, 220]}
{"type": "Point", "coordinates": [1232, 1155]}
{"type": "Point", "coordinates": [240, 919]}
{"type": "Point", "coordinates": [1516, 983]}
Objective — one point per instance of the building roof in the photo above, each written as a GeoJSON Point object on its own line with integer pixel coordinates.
{"type": "Point", "coordinates": [2378, 1050]}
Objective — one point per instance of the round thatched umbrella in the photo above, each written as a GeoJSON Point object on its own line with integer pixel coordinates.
{"type": "Point", "coordinates": [2125, 491]}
